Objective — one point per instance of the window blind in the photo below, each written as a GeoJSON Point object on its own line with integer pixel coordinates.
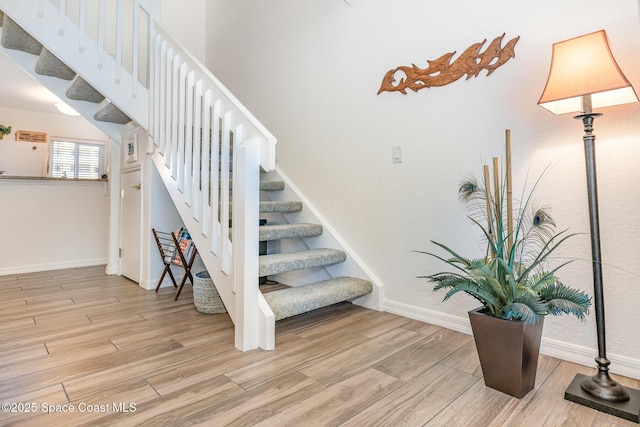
{"type": "Point", "coordinates": [77, 159]}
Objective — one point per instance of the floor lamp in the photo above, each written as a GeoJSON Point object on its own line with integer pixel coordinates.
{"type": "Point", "coordinates": [584, 75]}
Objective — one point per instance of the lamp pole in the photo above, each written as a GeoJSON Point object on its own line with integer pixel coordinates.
{"type": "Point", "coordinates": [600, 385]}
{"type": "Point", "coordinates": [580, 67]}
{"type": "Point", "coordinates": [599, 391]}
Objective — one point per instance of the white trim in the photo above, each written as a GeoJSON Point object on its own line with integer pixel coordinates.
{"type": "Point", "coordinates": [621, 365]}
{"type": "Point", "coordinates": [104, 142]}
{"type": "Point", "coordinates": [448, 321]}
{"type": "Point", "coordinates": [34, 268]}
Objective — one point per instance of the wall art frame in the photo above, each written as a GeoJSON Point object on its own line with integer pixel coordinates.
{"type": "Point", "coordinates": [132, 148]}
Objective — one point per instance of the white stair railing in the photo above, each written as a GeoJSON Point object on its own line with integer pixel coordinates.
{"type": "Point", "coordinates": [206, 145]}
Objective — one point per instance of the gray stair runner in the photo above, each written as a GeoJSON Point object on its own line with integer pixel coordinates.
{"type": "Point", "coordinates": [83, 91]}
{"type": "Point", "coordinates": [281, 263]}
{"type": "Point", "coordinates": [111, 113]}
{"type": "Point", "coordinates": [271, 185]}
{"type": "Point", "coordinates": [15, 38]}
{"type": "Point", "coordinates": [49, 65]}
{"type": "Point", "coordinates": [276, 207]}
{"type": "Point", "coordinates": [301, 299]}
{"type": "Point", "coordinates": [296, 300]}
{"type": "Point", "coordinates": [271, 207]}
{"type": "Point", "coordinates": [264, 185]}
{"type": "Point", "coordinates": [289, 231]}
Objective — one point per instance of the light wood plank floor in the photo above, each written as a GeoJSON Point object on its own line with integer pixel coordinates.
{"type": "Point", "coordinates": [119, 355]}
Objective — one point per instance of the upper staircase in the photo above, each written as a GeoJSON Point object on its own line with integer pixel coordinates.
{"type": "Point", "coordinates": [60, 79]}
{"type": "Point", "coordinates": [208, 148]}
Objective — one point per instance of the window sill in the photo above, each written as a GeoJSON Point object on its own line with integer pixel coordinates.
{"type": "Point", "coordinates": [48, 178]}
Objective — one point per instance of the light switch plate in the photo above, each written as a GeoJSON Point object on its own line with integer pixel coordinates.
{"type": "Point", "coordinates": [397, 153]}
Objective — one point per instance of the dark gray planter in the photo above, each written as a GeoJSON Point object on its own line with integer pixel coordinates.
{"type": "Point", "coordinates": [508, 352]}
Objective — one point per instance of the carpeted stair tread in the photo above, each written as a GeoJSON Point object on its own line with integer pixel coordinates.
{"type": "Point", "coordinates": [49, 65]}
{"type": "Point", "coordinates": [264, 185]}
{"type": "Point", "coordinates": [282, 263]}
{"type": "Point", "coordinates": [14, 37]}
{"type": "Point", "coordinates": [111, 113]}
{"type": "Point", "coordinates": [271, 185]}
{"type": "Point", "coordinates": [82, 91]}
{"type": "Point", "coordinates": [301, 299]}
{"type": "Point", "coordinates": [276, 206]}
{"type": "Point", "coordinates": [289, 231]}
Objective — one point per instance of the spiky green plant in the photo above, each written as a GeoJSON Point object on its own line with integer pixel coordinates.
{"type": "Point", "coordinates": [510, 280]}
{"type": "Point", "coordinates": [5, 129]}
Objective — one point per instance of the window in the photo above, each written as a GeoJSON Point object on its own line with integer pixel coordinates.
{"type": "Point", "coordinates": [71, 159]}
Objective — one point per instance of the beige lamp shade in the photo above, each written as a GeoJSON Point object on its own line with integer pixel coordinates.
{"type": "Point", "coordinates": [585, 66]}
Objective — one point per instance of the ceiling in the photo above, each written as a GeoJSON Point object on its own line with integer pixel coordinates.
{"type": "Point", "coordinates": [20, 91]}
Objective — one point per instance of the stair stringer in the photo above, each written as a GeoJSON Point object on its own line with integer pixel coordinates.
{"type": "Point", "coordinates": [353, 266]}
{"type": "Point", "coordinates": [62, 37]}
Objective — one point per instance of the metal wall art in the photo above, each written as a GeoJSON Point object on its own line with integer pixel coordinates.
{"type": "Point", "coordinates": [442, 71]}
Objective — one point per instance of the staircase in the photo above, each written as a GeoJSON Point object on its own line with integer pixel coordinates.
{"type": "Point", "coordinates": [301, 299]}
{"type": "Point", "coordinates": [203, 142]}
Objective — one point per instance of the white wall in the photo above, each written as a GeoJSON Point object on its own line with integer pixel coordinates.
{"type": "Point", "coordinates": [19, 158]}
{"type": "Point", "coordinates": [310, 72]}
{"type": "Point", "coordinates": [49, 225]}
{"type": "Point", "coordinates": [186, 23]}
{"type": "Point", "coordinates": [163, 216]}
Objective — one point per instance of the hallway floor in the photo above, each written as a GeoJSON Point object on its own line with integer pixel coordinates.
{"type": "Point", "coordinates": [119, 355]}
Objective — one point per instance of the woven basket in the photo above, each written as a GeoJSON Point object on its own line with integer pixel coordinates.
{"type": "Point", "coordinates": [205, 295]}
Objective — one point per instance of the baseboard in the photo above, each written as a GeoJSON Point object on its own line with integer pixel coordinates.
{"type": "Point", "coordinates": [149, 285]}
{"type": "Point", "coordinates": [448, 321]}
{"type": "Point", "coordinates": [112, 270]}
{"type": "Point", "coordinates": [34, 268]}
{"type": "Point", "coordinates": [621, 365]}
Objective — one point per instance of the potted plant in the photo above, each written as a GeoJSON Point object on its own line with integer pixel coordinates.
{"type": "Point", "coordinates": [509, 280]}
{"type": "Point", "coordinates": [4, 130]}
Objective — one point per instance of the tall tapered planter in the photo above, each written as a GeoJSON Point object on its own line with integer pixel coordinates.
{"type": "Point", "coordinates": [508, 352]}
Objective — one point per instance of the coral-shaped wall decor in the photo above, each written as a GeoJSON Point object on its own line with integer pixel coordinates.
{"type": "Point", "coordinates": [442, 71]}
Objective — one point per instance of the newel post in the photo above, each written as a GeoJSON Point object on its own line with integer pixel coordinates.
{"type": "Point", "coordinates": [246, 198]}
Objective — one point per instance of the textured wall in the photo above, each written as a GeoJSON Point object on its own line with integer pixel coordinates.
{"type": "Point", "coordinates": [310, 71]}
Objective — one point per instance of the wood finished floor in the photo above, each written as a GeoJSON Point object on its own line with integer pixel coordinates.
{"type": "Point", "coordinates": [78, 337]}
